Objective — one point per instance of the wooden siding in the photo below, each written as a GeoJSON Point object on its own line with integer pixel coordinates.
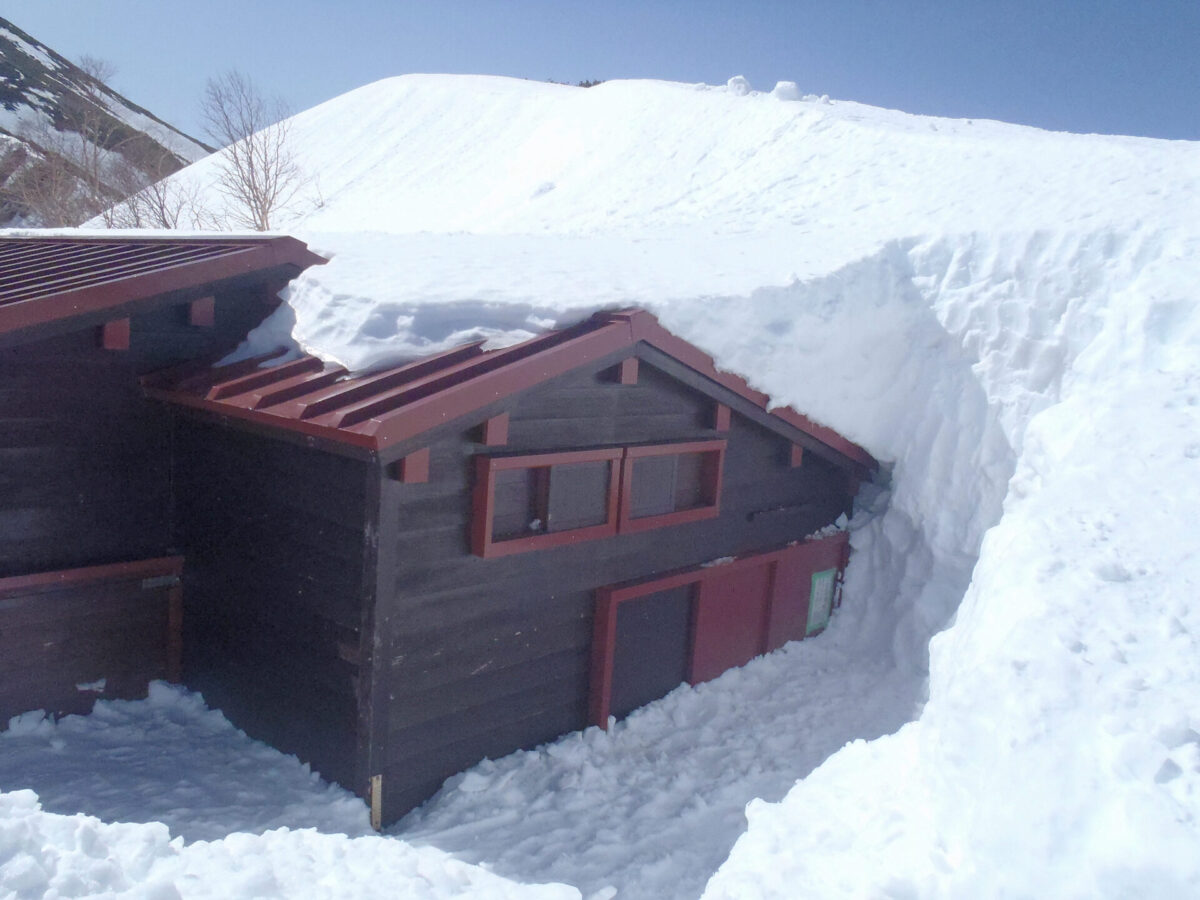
{"type": "Point", "coordinates": [481, 657]}
{"type": "Point", "coordinates": [275, 537]}
{"type": "Point", "coordinates": [84, 457]}
{"type": "Point", "coordinates": [68, 638]}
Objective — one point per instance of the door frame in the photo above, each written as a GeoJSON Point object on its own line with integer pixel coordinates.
{"type": "Point", "coordinates": [829, 552]}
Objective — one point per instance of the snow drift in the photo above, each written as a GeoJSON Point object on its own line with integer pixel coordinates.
{"type": "Point", "coordinates": [1006, 316]}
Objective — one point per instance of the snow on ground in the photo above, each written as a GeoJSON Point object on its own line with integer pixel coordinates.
{"type": "Point", "coordinates": [650, 809]}
{"type": "Point", "coordinates": [653, 808]}
{"type": "Point", "coordinates": [43, 855]}
{"type": "Point", "coordinates": [1007, 317]}
{"type": "Point", "coordinates": [170, 759]}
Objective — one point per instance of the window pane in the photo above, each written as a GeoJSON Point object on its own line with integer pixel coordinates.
{"type": "Point", "coordinates": [820, 599]}
{"type": "Point", "coordinates": [653, 486]}
{"type": "Point", "coordinates": [517, 504]}
{"type": "Point", "coordinates": [689, 481]}
{"type": "Point", "coordinates": [578, 495]}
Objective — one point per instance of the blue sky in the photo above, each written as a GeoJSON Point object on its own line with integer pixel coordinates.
{"type": "Point", "coordinates": [1116, 66]}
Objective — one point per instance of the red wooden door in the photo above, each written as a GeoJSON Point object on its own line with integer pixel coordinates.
{"type": "Point", "coordinates": [794, 586]}
{"type": "Point", "coordinates": [731, 619]}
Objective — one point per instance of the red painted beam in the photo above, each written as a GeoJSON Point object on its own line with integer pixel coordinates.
{"type": "Point", "coordinates": [628, 371]}
{"type": "Point", "coordinates": [114, 335]}
{"type": "Point", "coordinates": [202, 313]}
{"type": "Point", "coordinates": [495, 431]}
{"type": "Point", "coordinates": [414, 468]}
{"type": "Point", "coordinates": [68, 578]}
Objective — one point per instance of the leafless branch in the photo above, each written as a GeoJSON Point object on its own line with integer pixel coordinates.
{"type": "Point", "coordinates": [259, 174]}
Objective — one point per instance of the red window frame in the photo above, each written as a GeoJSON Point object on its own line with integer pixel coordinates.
{"type": "Point", "coordinates": [620, 494]}
{"type": "Point", "coordinates": [710, 484]}
{"type": "Point", "coordinates": [484, 501]}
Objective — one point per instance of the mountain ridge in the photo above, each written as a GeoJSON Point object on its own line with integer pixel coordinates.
{"type": "Point", "coordinates": [53, 111]}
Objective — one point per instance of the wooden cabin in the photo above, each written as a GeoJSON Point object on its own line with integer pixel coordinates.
{"type": "Point", "coordinates": [395, 575]}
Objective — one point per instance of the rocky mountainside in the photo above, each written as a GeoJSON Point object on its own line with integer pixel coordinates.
{"type": "Point", "coordinates": [70, 146]}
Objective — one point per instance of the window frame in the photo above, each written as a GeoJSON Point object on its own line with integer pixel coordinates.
{"type": "Point", "coordinates": [712, 472]}
{"type": "Point", "coordinates": [620, 494]}
{"type": "Point", "coordinates": [483, 505]}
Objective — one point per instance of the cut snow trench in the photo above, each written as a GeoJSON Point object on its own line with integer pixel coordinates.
{"type": "Point", "coordinates": [912, 311]}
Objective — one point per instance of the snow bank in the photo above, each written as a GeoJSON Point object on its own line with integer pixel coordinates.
{"type": "Point", "coordinates": [187, 773]}
{"type": "Point", "coordinates": [486, 155]}
{"type": "Point", "coordinates": [44, 856]}
{"type": "Point", "coordinates": [1059, 752]}
{"type": "Point", "coordinates": [170, 759]}
{"type": "Point", "coordinates": [456, 205]}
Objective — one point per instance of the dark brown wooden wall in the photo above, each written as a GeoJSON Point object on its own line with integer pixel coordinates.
{"type": "Point", "coordinates": [84, 458]}
{"type": "Point", "coordinates": [274, 535]}
{"type": "Point", "coordinates": [76, 636]}
{"type": "Point", "coordinates": [482, 657]}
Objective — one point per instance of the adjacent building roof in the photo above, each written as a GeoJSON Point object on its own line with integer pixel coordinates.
{"type": "Point", "coordinates": [382, 409]}
{"type": "Point", "coordinates": [48, 279]}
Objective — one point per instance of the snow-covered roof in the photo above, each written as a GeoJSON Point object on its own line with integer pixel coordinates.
{"type": "Point", "coordinates": [373, 413]}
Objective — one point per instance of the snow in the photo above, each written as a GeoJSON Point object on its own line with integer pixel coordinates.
{"type": "Point", "coordinates": [38, 102]}
{"type": "Point", "coordinates": [1008, 702]}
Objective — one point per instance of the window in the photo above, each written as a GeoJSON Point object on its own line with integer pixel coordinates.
{"type": "Point", "coordinates": [549, 499]}
{"type": "Point", "coordinates": [671, 484]}
{"type": "Point", "coordinates": [820, 600]}
{"type": "Point", "coordinates": [546, 500]}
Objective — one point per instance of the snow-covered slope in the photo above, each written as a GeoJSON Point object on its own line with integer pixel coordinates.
{"type": "Point", "coordinates": [1007, 317]}
{"type": "Point", "coordinates": [651, 192]}
{"type": "Point", "coordinates": [47, 103]}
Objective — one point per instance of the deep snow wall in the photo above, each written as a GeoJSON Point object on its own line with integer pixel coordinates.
{"type": "Point", "coordinates": [1059, 751]}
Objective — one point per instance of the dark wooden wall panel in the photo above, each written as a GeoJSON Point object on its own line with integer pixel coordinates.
{"type": "Point", "coordinates": [484, 657]}
{"type": "Point", "coordinates": [85, 459]}
{"type": "Point", "coordinates": [274, 535]}
{"type": "Point", "coordinates": [55, 637]}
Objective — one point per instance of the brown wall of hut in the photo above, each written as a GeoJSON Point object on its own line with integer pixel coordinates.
{"type": "Point", "coordinates": [480, 657]}
{"type": "Point", "coordinates": [69, 637]}
{"type": "Point", "coordinates": [276, 538]}
{"type": "Point", "coordinates": [86, 480]}
{"type": "Point", "coordinates": [84, 458]}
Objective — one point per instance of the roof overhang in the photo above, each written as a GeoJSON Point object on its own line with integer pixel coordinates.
{"type": "Point", "coordinates": [47, 281]}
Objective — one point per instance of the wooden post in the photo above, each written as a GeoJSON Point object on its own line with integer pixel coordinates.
{"type": "Point", "coordinates": [375, 797]}
{"type": "Point", "coordinates": [720, 417]}
{"type": "Point", "coordinates": [175, 634]}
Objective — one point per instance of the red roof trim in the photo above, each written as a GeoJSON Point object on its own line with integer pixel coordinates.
{"type": "Point", "coordinates": [377, 411]}
{"type": "Point", "coordinates": [49, 279]}
{"type": "Point", "coordinates": [645, 327]}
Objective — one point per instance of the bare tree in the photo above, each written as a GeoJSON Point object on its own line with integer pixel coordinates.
{"type": "Point", "coordinates": [163, 203]}
{"type": "Point", "coordinates": [82, 163]}
{"type": "Point", "coordinates": [258, 171]}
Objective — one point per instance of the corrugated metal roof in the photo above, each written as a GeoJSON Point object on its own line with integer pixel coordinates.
{"type": "Point", "coordinates": [43, 279]}
{"type": "Point", "coordinates": [377, 410]}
